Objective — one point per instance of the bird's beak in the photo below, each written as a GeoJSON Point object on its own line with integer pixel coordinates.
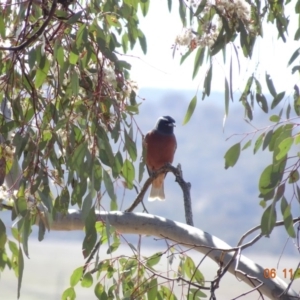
{"type": "Point", "coordinates": [172, 124]}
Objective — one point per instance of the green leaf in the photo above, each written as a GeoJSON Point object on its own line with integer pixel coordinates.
{"type": "Point", "coordinates": [74, 83]}
{"type": "Point", "coordinates": [288, 111]}
{"type": "Point", "coordinates": [268, 220]}
{"type": "Point", "coordinates": [196, 294]}
{"type": "Point", "coordinates": [287, 218]}
{"type": "Point", "coordinates": [267, 139]}
{"type": "Point", "coordinates": [75, 17]}
{"type": "Point", "coordinates": [277, 99]}
{"type": "Point", "coordinates": [69, 294]}
{"type": "Point", "coordinates": [90, 233]}
{"type": "Point", "coordinates": [152, 289]}
{"type": "Point", "coordinates": [87, 280]}
{"type": "Point", "coordinates": [122, 64]}
{"type": "Point", "coordinates": [220, 42]}
{"type": "Point", "coordinates": [128, 173]}
{"type": "Point", "coordinates": [190, 110]}
{"type": "Point", "coordinates": [296, 274]}
{"type": "Point", "coordinates": [200, 7]}
{"type": "Point", "coordinates": [232, 155]}
{"type": "Point", "coordinates": [73, 58]}
{"type": "Point", "coordinates": [279, 192]}
{"type": "Point", "coordinates": [3, 236]}
{"type": "Point", "coordinates": [109, 185]}
{"type": "Point", "coordinates": [268, 179]}
{"type": "Point", "coordinates": [118, 163]}
{"type": "Point", "coordinates": [270, 85]}
{"type": "Point", "coordinates": [297, 139]}
{"type": "Point", "coordinates": [207, 82]}
{"type": "Point", "coordinates": [26, 232]}
{"type": "Point", "coordinates": [32, 57]}
{"type": "Point", "coordinates": [274, 137]}
{"type": "Point", "coordinates": [145, 7]}
{"type": "Point", "coordinates": [13, 248]}
{"type": "Point", "coordinates": [76, 276]}
{"type": "Point", "coordinates": [184, 56]}
{"type": "Point", "coordinates": [170, 5]}
{"type": "Point", "coordinates": [182, 12]}
{"type": "Point", "coordinates": [41, 74]}
{"type": "Point", "coordinates": [262, 102]}
{"type": "Point", "coordinates": [274, 118]}
{"type": "Point", "coordinates": [106, 154]}
{"type": "Point", "coordinates": [113, 247]}
{"type": "Point", "coordinates": [247, 145]}
{"type": "Point", "coordinates": [125, 42]}
{"type": "Point", "coordinates": [298, 193]}
{"type": "Point", "coordinates": [294, 176]}
{"type": "Point", "coordinates": [59, 54]}
{"type": "Point", "coordinates": [100, 292]}
{"type": "Point", "coordinates": [9, 126]}
{"type": "Point", "coordinates": [248, 85]}
{"type": "Point", "coordinates": [294, 56]}
{"type": "Point", "coordinates": [284, 147]}
{"type": "Point", "coordinates": [245, 40]}
{"type": "Point", "coordinates": [198, 60]}
{"type": "Point", "coordinates": [2, 27]}
{"type": "Point", "coordinates": [86, 206]}
{"type": "Point", "coordinates": [78, 156]}
{"type": "Point", "coordinates": [279, 135]}
{"type": "Point", "coordinates": [42, 229]}
{"type": "Point", "coordinates": [189, 267]}
{"type": "Point", "coordinates": [154, 259]}
{"type": "Point", "coordinates": [81, 36]}
{"type": "Point", "coordinates": [20, 270]}
{"type": "Point", "coordinates": [248, 109]}
{"type": "Point", "coordinates": [143, 41]}
{"type": "Point", "coordinates": [112, 20]}
{"type": "Point", "coordinates": [226, 97]}
{"type": "Point", "coordinates": [130, 146]}
{"type": "Point", "coordinates": [258, 142]}
{"type": "Point", "coordinates": [258, 86]}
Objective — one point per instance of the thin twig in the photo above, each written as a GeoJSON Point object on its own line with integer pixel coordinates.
{"type": "Point", "coordinates": [36, 35]}
{"type": "Point", "coordinates": [185, 186]}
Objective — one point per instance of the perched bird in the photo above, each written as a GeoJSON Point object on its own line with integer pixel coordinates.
{"type": "Point", "coordinates": [160, 145]}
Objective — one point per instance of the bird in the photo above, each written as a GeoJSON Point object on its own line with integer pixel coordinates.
{"type": "Point", "coordinates": [160, 145]}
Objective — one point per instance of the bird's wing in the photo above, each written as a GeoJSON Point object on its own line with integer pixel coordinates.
{"type": "Point", "coordinates": [145, 146]}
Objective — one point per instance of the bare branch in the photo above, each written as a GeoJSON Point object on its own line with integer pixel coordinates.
{"type": "Point", "coordinates": [185, 186]}
{"type": "Point", "coordinates": [37, 33]}
{"type": "Point", "coordinates": [191, 237]}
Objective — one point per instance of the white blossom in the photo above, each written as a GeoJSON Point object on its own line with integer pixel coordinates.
{"type": "Point", "coordinates": [241, 8]}
{"type": "Point", "coordinates": [129, 87]}
{"type": "Point", "coordinates": [62, 133]}
{"type": "Point", "coordinates": [110, 76]}
{"type": "Point", "coordinates": [185, 38]}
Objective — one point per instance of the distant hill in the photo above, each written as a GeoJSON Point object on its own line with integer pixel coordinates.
{"type": "Point", "coordinates": [225, 202]}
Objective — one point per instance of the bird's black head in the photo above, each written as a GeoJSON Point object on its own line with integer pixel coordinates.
{"type": "Point", "coordinates": [165, 125]}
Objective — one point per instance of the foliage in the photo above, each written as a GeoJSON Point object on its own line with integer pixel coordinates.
{"type": "Point", "coordinates": [72, 103]}
{"type": "Point", "coordinates": [66, 81]}
{"type": "Point", "coordinates": [136, 276]}
{"type": "Point", "coordinates": [213, 28]}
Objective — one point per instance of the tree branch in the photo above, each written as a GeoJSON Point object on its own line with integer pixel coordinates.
{"type": "Point", "coordinates": [36, 34]}
{"type": "Point", "coordinates": [185, 186]}
{"type": "Point", "coordinates": [191, 237]}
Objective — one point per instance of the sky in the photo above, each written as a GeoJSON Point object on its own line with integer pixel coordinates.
{"type": "Point", "coordinates": [158, 69]}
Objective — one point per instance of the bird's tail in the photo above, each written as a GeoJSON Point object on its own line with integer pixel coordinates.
{"type": "Point", "coordinates": [157, 189]}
